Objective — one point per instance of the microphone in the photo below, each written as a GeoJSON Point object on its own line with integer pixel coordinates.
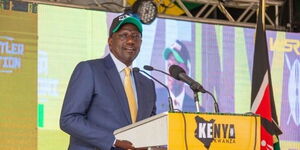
{"type": "Point", "coordinates": [178, 73]}
{"type": "Point", "coordinates": [171, 109]}
{"type": "Point", "coordinates": [150, 68]}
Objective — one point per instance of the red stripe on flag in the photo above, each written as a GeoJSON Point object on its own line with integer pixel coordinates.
{"type": "Point", "coordinates": [266, 140]}
{"type": "Point", "coordinates": [264, 110]}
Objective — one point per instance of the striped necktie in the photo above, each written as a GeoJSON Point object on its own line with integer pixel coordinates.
{"type": "Point", "coordinates": [130, 95]}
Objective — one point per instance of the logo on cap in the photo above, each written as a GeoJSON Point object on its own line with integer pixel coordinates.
{"type": "Point", "coordinates": [122, 17]}
{"type": "Point", "coordinates": [176, 46]}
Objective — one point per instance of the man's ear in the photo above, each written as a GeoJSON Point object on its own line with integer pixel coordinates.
{"type": "Point", "coordinates": [109, 41]}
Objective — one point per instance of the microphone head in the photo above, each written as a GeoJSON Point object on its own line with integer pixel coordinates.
{"type": "Point", "coordinates": [175, 70]}
{"type": "Point", "coordinates": [149, 68]}
{"type": "Point", "coordinates": [135, 69]}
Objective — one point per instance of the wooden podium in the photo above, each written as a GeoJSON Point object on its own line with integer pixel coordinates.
{"type": "Point", "coordinates": [197, 131]}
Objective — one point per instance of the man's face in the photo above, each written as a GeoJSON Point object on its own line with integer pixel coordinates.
{"type": "Point", "coordinates": [175, 85]}
{"type": "Point", "coordinates": [125, 43]}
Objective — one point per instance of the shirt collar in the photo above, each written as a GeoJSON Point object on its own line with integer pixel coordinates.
{"type": "Point", "coordinates": [120, 66]}
{"type": "Point", "coordinates": [178, 101]}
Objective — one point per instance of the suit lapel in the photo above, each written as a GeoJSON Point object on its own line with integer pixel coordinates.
{"type": "Point", "coordinates": [116, 83]}
{"type": "Point", "coordinates": [140, 96]}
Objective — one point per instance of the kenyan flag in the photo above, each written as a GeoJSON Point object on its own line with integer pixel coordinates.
{"type": "Point", "coordinates": [262, 100]}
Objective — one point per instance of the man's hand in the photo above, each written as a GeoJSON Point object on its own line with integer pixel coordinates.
{"type": "Point", "coordinates": [124, 144]}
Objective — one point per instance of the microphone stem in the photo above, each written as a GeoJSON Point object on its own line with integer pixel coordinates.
{"type": "Point", "coordinates": [171, 108]}
{"type": "Point", "coordinates": [196, 98]}
{"type": "Point", "coordinates": [169, 95]}
{"type": "Point", "coordinates": [215, 102]}
{"type": "Point", "coordinates": [162, 72]}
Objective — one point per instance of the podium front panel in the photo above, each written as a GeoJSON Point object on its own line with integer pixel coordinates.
{"type": "Point", "coordinates": [213, 131]}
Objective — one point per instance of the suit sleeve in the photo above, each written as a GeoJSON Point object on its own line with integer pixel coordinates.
{"type": "Point", "coordinates": [73, 119]}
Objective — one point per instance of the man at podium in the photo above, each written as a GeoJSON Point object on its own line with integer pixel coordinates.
{"type": "Point", "coordinates": [105, 94]}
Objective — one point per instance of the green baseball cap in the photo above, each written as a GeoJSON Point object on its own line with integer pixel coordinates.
{"type": "Point", "coordinates": [123, 19]}
{"type": "Point", "coordinates": [179, 51]}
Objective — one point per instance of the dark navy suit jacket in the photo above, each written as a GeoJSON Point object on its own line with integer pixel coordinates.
{"type": "Point", "coordinates": [95, 104]}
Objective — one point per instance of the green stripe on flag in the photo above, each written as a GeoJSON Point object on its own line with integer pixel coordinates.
{"type": "Point", "coordinates": [276, 144]}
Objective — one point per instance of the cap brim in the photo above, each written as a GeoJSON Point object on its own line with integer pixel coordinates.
{"type": "Point", "coordinates": [130, 20]}
{"type": "Point", "coordinates": [177, 56]}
